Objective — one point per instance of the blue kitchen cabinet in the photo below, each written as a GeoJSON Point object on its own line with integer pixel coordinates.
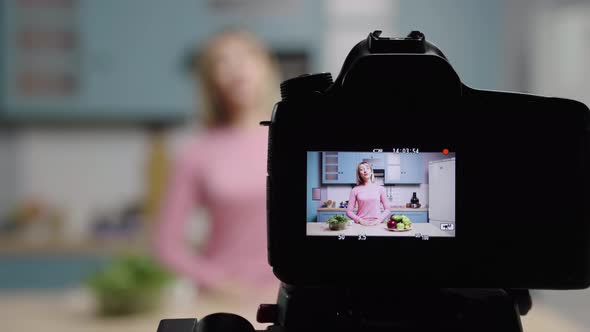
{"type": "Point", "coordinates": [349, 165]}
{"type": "Point", "coordinates": [411, 168]}
{"type": "Point", "coordinates": [376, 159]}
{"type": "Point", "coordinates": [418, 216]}
{"type": "Point", "coordinates": [324, 216]}
{"type": "Point", "coordinates": [339, 167]}
{"type": "Point", "coordinates": [48, 271]}
{"type": "Point", "coordinates": [129, 62]}
{"type": "Point", "coordinates": [404, 168]}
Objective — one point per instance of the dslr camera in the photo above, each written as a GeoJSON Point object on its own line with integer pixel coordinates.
{"type": "Point", "coordinates": [459, 200]}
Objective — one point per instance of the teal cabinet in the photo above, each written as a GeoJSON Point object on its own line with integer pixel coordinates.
{"type": "Point", "coordinates": [417, 217]}
{"type": "Point", "coordinates": [324, 216]}
{"type": "Point", "coordinates": [376, 159]}
{"type": "Point", "coordinates": [47, 271]}
{"type": "Point", "coordinates": [404, 168]}
{"type": "Point", "coordinates": [412, 168]}
{"type": "Point", "coordinates": [339, 167]}
{"type": "Point", "coordinates": [129, 59]}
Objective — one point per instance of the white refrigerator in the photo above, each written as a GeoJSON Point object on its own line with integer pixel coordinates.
{"type": "Point", "coordinates": [441, 193]}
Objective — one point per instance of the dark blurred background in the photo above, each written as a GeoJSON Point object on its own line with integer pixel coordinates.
{"type": "Point", "coordinates": [97, 95]}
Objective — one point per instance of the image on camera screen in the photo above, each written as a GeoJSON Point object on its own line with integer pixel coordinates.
{"type": "Point", "coordinates": [398, 192]}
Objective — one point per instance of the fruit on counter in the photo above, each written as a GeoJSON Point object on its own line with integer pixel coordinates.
{"type": "Point", "coordinates": [399, 222]}
{"type": "Point", "coordinates": [391, 224]}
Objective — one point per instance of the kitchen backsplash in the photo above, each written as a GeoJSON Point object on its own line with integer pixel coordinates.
{"type": "Point", "coordinates": [399, 194]}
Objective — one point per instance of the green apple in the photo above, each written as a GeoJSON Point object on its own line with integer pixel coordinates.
{"type": "Point", "coordinates": [400, 226]}
{"type": "Point", "coordinates": [398, 217]}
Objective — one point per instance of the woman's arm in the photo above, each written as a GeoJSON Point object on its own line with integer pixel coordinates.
{"type": "Point", "coordinates": [181, 197]}
{"type": "Point", "coordinates": [350, 209]}
{"type": "Point", "coordinates": [386, 209]}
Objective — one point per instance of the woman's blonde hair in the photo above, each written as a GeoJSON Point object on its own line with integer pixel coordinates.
{"type": "Point", "coordinates": [214, 114]}
{"type": "Point", "coordinates": [359, 178]}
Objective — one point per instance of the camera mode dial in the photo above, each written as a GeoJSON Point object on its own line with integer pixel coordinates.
{"type": "Point", "coordinates": [306, 84]}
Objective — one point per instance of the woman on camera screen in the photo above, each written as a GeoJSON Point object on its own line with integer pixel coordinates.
{"type": "Point", "coordinates": [368, 196]}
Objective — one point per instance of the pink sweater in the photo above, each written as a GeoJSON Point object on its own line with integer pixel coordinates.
{"type": "Point", "coordinates": [369, 199]}
{"type": "Point", "coordinates": [223, 171]}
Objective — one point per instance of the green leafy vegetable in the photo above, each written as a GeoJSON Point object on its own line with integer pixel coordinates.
{"type": "Point", "coordinates": [130, 284]}
{"type": "Point", "coordinates": [337, 219]}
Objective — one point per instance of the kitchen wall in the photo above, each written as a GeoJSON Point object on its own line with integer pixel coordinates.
{"type": "Point", "coordinates": [64, 167]}
{"type": "Point", "coordinates": [401, 194]}
{"type": "Point", "coordinates": [80, 170]}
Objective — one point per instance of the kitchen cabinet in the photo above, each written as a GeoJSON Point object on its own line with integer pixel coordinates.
{"type": "Point", "coordinates": [126, 60]}
{"type": "Point", "coordinates": [404, 168]}
{"type": "Point", "coordinates": [376, 159]}
{"type": "Point", "coordinates": [418, 216]}
{"type": "Point", "coordinates": [339, 167]}
{"type": "Point", "coordinates": [47, 271]}
{"type": "Point", "coordinates": [324, 216]}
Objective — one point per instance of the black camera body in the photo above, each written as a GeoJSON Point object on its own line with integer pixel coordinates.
{"type": "Point", "coordinates": [521, 218]}
{"type": "Point", "coordinates": [503, 184]}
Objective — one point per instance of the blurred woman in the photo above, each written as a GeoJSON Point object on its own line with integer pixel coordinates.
{"type": "Point", "coordinates": [369, 197]}
{"type": "Point", "coordinates": [223, 170]}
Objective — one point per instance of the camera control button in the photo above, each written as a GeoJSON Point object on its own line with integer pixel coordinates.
{"type": "Point", "coordinates": [305, 84]}
{"type": "Point", "coordinates": [267, 313]}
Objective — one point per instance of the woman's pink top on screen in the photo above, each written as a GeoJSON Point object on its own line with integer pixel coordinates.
{"type": "Point", "coordinates": [369, 198]}
{"type": "Point", "coordinates": [224, 171]}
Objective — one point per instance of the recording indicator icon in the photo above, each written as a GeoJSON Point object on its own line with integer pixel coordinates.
{"type": "Point", "coordinates": [445, 151]}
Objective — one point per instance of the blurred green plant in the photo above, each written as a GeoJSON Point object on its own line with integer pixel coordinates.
{"type": "Point", "coordinates": [129, 285]}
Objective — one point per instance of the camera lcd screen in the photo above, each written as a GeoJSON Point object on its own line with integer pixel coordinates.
{"type": "Point", "coordinates": [398, 192]}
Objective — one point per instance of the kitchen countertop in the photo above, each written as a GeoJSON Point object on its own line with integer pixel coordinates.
{"type": "Point", "coordinates": [321, 228]}
{"type": "Point", "coordinates": [52, 312]}
{"type": "Point", "coordinates": [70, 311]}
{"type": "Point", "coordinates": [392, 209]}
